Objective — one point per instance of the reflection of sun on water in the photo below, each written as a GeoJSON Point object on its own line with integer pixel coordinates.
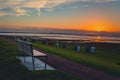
{"type": "Point", "coordinates": [98, 37]}
{"type": "Point", "coordinates": [99, 29]}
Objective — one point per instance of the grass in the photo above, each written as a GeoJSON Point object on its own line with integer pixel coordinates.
{"type": "Point", "coordinates": [12, 69]}
{"type": "Point", "coordinates": [103, 59]}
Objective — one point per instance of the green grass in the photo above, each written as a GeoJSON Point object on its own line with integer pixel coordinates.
{"type": "Point", "coordinates": [12, 69]}
{"type": "Point", "coordinates": [103, 59]}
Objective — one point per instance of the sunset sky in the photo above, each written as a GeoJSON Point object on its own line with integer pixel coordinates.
{"type": "Point", "coordinates": [96, 15]}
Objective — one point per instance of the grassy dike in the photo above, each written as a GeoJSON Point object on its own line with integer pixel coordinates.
{"type": "Point", "coordinates": [12, 69]}
{"type": "Point", "coordinates": [103, 59]}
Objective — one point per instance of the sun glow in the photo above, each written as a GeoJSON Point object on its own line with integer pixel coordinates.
{"type": "Point", "coordinates": [97, 25]}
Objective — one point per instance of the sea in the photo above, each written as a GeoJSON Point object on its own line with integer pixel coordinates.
{"type": "Point", "coordinates": [98, 38]}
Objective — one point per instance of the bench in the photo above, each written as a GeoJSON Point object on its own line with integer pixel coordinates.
{"type": "Point", "coordinates": [27, 48]}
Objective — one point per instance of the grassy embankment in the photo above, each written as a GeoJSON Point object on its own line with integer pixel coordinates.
{"type": "Point", "coordinates": [103, 59]}
{"type": "Point", "coordinates": [12, 69]}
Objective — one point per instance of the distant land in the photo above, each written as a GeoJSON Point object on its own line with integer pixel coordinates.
{"type": "Point", "coordinates": [58, 31]}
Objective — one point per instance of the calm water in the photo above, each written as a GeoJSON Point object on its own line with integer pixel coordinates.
{"type": "Point", "coordinates": [68, 37]}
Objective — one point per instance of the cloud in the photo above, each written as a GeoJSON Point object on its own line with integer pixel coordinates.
{"type": "Point", "coordinates": [2, 13]}
{"type": "Point", "coordinates": [91, 0]}
{"type": "Point", "coordinates": [18, 7]}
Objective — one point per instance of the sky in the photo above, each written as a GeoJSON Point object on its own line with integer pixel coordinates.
{"type": "Point", "coordinates": [93, 15]}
